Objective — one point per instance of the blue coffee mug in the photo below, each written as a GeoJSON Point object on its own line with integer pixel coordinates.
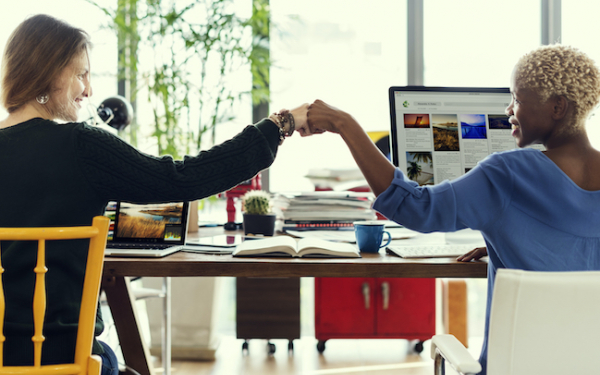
{"type": "Point", "coordinates": [369, 235]}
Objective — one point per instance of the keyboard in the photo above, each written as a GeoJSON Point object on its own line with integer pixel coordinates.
{"type": "Point", "coordinates": [135, 246]}
{"type": "Point", "coordinates": [430, 251]}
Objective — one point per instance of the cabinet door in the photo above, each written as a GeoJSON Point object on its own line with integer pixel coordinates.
{"type": "Point", "coordinates": [405, 308]}
{"type": "Point", "coordinates": [344, 306]}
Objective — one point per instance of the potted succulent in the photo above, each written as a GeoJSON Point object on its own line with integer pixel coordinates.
{"type": "Point", "coordinates": [258, 218]}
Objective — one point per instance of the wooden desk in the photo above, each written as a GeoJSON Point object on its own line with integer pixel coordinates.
{"type": "Point", "coordinates": [116, 284]}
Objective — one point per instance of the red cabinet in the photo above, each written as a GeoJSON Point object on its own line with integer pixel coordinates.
{"type": "Point", "coordinates": [374, 308]}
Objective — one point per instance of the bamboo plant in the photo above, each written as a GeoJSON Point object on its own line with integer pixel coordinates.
{"type": "Point", "coordinates": [197, 45]}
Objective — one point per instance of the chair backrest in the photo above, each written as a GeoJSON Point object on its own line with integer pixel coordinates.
{"type": "Point", "coordinates": [545, 323]}
{"type": "Point", "coordinates": [84, 362]}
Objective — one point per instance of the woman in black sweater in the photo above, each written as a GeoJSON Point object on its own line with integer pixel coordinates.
{"type": "Point", "coordinates": [65, 174]}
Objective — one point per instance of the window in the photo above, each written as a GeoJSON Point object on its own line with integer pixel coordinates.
{"type": "Point", "coordinates": [477, 43]}
{"type": "Point", "coordinates": [347, 53]}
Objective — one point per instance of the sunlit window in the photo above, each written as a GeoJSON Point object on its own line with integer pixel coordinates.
{"type": "Point", "coordinates": [347, 53]}
{"type": "Point", "coordinates": [477, 43]}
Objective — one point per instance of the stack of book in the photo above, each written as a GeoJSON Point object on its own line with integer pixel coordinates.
{"type": "Point", "coordinates": [324, 209]}
{"type": "Point", "coordinates": [337, 179]}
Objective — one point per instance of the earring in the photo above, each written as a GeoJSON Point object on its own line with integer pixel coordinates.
{"type": "Point", "coordinates": [42, 99]}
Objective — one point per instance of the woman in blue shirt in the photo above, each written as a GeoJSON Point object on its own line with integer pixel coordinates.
{"type": "Point", "coordinates": [536, 210]}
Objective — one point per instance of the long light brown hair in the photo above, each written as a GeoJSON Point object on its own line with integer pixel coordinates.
{"type": "Point", "coordinates": [36, 54]}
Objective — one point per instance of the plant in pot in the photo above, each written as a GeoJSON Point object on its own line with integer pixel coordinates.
{"type": "Point", "coordinates": [258, 218]}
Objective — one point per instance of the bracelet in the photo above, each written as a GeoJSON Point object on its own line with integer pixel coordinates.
{"type": "Point", "coordinates": [290, 119]}
{"type": "Point", "coordinates": [283, 119]}
{"type": "Point", "coordinates": [278, 119]}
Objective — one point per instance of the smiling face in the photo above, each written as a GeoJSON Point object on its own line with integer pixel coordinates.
{"type": "Point", "coordinates": [71, 88]}
{"type": "Point", "coordinates": [530, 117]}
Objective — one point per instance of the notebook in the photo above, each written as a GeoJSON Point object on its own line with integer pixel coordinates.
{"type": "Point", "coordinates": [146, 230]}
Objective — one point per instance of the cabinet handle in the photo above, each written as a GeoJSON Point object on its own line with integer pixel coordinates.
{"type": "Point", "coordinates": [385, 290]}
{"type": "Point", "coordinates": [366, 290]}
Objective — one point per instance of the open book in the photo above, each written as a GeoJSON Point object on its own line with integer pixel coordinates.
{"type": "Point", "coordinates": [288, 246]}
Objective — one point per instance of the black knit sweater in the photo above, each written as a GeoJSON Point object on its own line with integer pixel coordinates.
{"type": "Point", "coordinates": [65, 174]}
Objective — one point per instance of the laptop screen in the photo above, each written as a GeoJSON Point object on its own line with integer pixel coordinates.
{"type": "Point", "coordinates": [440, 133]}
{"type": "Point", "coordinates": [164, 223]}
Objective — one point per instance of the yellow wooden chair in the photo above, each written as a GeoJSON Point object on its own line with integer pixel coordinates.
{"type": "Point", "coordinates": [85, 362]}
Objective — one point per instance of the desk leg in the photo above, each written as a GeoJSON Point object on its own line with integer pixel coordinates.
{"type": "Point", "coordinates": [122, 307]}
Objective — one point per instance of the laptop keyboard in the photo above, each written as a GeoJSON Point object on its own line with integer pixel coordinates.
{"type": "Point", "coordinates": [134, 246]}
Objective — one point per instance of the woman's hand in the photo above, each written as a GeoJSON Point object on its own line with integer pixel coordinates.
{"type": "Point", "coordinates": [298, 119]}
{"type": "Point", "coordinates": [474, 254]}
{"type": "Point", "coordinates": [322, 117]}
{"type": "Point", "coordinates": [300, 115]}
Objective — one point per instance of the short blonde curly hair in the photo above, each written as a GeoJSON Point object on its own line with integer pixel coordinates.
{"type": "Point", "coordinates": [561, 70]}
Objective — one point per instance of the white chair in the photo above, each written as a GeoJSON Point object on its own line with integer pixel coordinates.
{"type": "Point", "coordinates": [540, 323]}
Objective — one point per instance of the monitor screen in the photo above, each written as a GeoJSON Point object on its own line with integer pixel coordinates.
{"type": "Point", "coordinates": [440, 133]}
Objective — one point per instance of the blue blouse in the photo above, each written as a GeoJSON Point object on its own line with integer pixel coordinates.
{"type": "Point", "coordinates": [530, 213]}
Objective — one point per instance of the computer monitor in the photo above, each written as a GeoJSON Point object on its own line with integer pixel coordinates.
{"type": "Point", "coordinates": [440, 133]}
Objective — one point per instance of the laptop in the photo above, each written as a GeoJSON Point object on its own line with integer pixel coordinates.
{"type": "Point", "coordinates": [146, 230]}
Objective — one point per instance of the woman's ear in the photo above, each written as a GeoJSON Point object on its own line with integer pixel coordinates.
{"type": "Point", "coordinates": [560, 107]}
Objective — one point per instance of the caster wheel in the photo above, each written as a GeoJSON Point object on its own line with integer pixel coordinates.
{"type": "Point", "coordinates": [321, 346]}
{"type": "Point", "coordinates": [419, 347]}
{"type": "Point", "coordinates": [291, 346]}
{"type": "Point", "coordinates": [271, 348]}
{"type": "Point", "coordinates": [245, 346]}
